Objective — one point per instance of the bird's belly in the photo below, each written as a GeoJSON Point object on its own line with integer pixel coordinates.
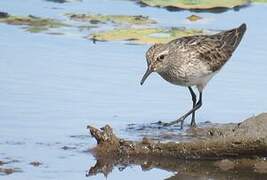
{"type": "Point", "coordinates": [176, 79]}
{"type": "Point", "coordinates": [187, 77]}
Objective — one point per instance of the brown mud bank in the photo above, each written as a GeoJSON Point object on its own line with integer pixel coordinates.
{"type": "Point", "coordinates": [222, 147]}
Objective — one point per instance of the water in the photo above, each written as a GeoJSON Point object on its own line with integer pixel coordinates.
{"type": "Point", "coordinates": [52, 87]}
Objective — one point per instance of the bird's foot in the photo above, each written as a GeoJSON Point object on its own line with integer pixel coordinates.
{"type": "Point", "coordinates": [180, 120]}
{"type": "Point", "coordinates": [193, 124]}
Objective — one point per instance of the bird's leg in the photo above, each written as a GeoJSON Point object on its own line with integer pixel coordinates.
{"type": "Point", "coordinates": [181, 119]}
{"type": "Point", "coordinates": [194, 100]}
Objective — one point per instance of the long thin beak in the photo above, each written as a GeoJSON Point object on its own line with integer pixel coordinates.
{"type": "Point", "coordinates": [147, 73]}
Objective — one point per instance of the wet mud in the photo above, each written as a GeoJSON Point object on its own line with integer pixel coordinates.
{"type": "Point", "coordinates": [213, 151]}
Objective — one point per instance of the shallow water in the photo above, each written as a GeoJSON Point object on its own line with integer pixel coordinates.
{"type": "Point", "coordinates": [52, 87]}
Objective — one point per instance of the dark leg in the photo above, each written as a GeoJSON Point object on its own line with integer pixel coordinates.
{"type": "Point", "coordinates": [194, 100]}
{"type": "Point", "coordinates": [181, 119]}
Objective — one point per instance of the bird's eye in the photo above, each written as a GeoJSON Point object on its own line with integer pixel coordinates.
{"type": "Point", "coordinates": [161, 57]}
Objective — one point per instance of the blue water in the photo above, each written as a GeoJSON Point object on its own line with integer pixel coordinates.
{"type": "Point", "coordinates": [52, 87]}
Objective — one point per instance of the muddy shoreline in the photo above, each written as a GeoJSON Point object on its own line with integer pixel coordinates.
{"type": "Point", "coordinates": [225, 147]}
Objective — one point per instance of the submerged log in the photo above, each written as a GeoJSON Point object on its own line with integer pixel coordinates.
{"type": "Point", "coordinates": [243, 140]}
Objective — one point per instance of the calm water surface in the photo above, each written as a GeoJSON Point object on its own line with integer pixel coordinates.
{"type": "Point", "coordinates": [52, 87]}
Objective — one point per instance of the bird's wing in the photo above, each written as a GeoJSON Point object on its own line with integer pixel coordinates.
{"type": "Point", "coordinates": [214, 50]}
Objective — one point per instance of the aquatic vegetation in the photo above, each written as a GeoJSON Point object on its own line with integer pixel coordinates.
{"type": "Point", "coordinates": [194, 18]}
{"type": "Point", "coordinates": [32, 23]}
{"type": "Point", "coordinates": [259, 1]}
{"type": "Point", "coordinates": [125, 31]}
{"type": "Point", "coordinates": [195, 4]}
{"type": "Point", "coordinates": [86, 27]}
{"type": "Point", "coordinates": [144, 35]}
{"type": "Point", "coordinates": [63, 1]}
{"type": "Point", "coordinates": [116, 19]}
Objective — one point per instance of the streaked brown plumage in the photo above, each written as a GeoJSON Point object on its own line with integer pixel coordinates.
{"type": "Point", "coordinates": [193, 61]}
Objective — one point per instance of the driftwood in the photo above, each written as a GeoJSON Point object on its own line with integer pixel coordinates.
{"type": "Point", "coordinates": [247, 139]}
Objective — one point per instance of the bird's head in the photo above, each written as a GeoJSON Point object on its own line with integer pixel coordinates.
{"type": "Point", "coordinates": [157, 61]}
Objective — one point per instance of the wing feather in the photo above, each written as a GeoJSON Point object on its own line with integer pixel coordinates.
{"type": "Point", "coordinates": [214, 50]}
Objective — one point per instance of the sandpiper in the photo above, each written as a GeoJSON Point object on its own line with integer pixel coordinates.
{"type": "Point", "coordinates": [192, 61]}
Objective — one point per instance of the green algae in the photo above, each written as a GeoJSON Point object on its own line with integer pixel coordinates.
{"type": "Point", "coordinates": [144, 35]}
{"type": "Point", "coordinates": [136, 29]}
{"type": "Point", "coordinates": [259, 1]}
{"type": "Point", "coordinates": [196, 4]}
{"type": "Point", "coordinates": [194, 18]}
{"type": "Point", "coordinates": [63, 1]}
{"type": "Point", "coordinates": [116, 19]}
{"type": "Point", "coordinates": [32, 23]}
{"type": "Point", "coordinates": [36, 29]}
